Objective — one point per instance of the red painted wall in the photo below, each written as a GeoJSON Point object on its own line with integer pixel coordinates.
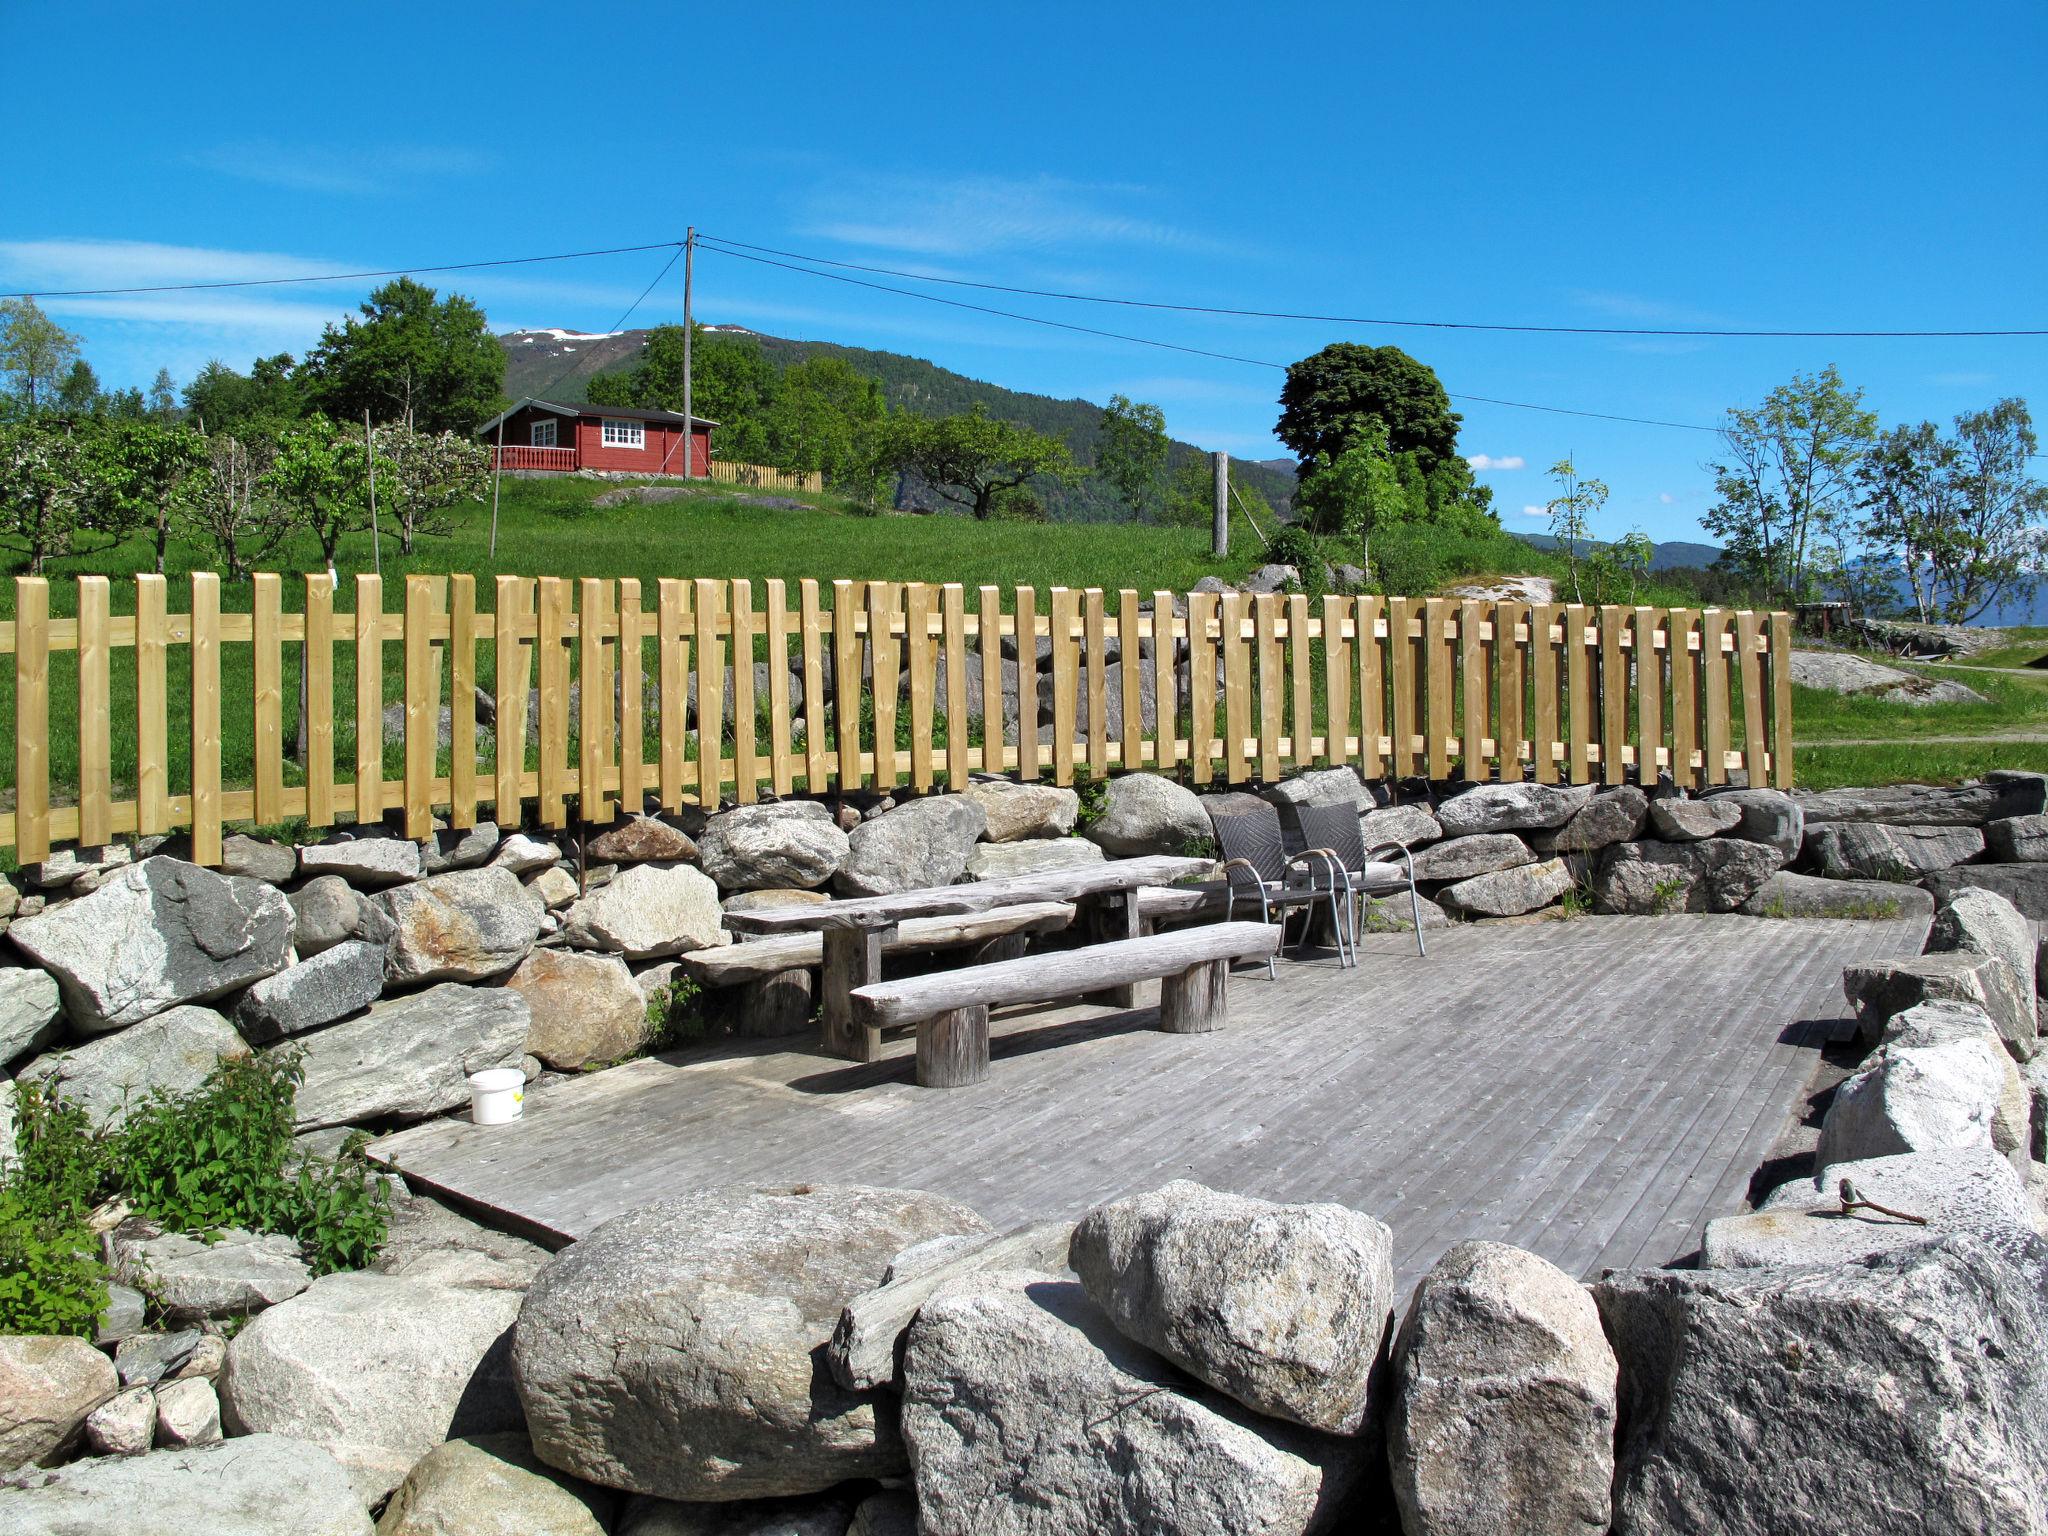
{"type": "Point", "coordinates": [663, 453]}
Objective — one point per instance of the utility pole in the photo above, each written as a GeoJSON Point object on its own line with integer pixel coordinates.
{"type": "Point", "coordinates": [497, 474]}
{"type": "Point", "coordinates": [1220, 524]}
{"type": "Point", "coordinates": [689, 418]}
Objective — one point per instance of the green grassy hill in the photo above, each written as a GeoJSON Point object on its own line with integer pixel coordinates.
{"type": "Point", "coordinates": [561, 364]}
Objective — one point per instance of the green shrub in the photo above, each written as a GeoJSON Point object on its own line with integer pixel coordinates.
{"type": "Point", "coordinates": [51, 1278]}
{"type": "Point", "coordinates": [675, 1013]}
{"type": "Point", "coordinates": [63, 1165]}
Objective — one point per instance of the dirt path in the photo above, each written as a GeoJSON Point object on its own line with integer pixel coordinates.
{"type": "Point", "coordinates": [1964, 666]}
{"type": "Point", "coordinates": [2020, 736]}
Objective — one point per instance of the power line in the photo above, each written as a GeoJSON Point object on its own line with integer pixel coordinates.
{"type": "Point", "coordinates": [620, 323]}
{"type": "Point", "coordinates": [337, 277]}
{"type": "Point", "coordinates": [1433, 325]}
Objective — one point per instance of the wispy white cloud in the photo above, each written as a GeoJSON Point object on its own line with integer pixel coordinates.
{"type": "Point", "coordinates": [1492, 461]}
{"type": "Point", "coordinates": [1960, 380]}
{"type": "Point", "coordinates": [1667, 498]}
{"type": "Point", "coordinates": [360, 171]}
{"type": "Point", "coordinates": [50, 264]}
{"type": "Point", "coordinates": [1638, 309]}
{"type": "Point", "coordinates": [1535, 511]}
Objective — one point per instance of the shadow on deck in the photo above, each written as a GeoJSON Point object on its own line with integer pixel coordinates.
{"type": "Point", "coordinates": [1592, 1090]}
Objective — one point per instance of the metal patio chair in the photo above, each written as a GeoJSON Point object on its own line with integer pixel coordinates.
{"type": "Point", "coordinates": [1257, 864]}
{"type": "Point", "coordinates": [1334, 831]}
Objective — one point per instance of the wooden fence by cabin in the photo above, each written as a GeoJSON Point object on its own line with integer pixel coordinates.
{"type": "Point", "coordinates": [762, 477]}
{"type": "Point", "coordinates": [576, 693]}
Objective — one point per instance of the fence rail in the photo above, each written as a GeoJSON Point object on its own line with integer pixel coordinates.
{"type": "Point", "coordinates": [761, 477]}
{"type": "Point", "coordinates": [596, 698]}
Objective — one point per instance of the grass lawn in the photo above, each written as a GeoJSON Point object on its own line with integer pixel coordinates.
{"type": "Point", "coordinates": [2025, 645]}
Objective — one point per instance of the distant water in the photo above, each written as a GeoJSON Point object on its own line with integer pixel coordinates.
{"type": "Point", "coordinates": [2007, 611]}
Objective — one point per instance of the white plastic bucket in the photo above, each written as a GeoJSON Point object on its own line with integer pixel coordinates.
{"type": "Point", "coordinates": [496, 1095]}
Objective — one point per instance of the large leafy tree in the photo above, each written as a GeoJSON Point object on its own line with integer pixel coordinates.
{"type": "Point", "coordinates": [265, 400]}
{"type": "Point", "coordinates": [421, 476]}
{"type": "Point", "coordinates": [1130, 451]}
{"type": "Point", "coordinates": [971, 459]}
{"type": "Point", "coordinates": [1356, 492]}
{"type": "Point", "coordinates": [1787, 484]}
{"type": "Point", "coordinates": [825, 415]}
{"type": "Point", "coordinates": [149, 471]}
{"type": "Point", "coordinates": [231, 509]}
{"type": "Point", "coordinates": [51, 495]}
{"type": "Point", "coordinates": [412, 357]}
{"type": "Point", "coordinates": [1330, 399]}
{"type": "Point", "coordinates": [321, 477]}
{"type": "Point", "coordinates": [35, 355]}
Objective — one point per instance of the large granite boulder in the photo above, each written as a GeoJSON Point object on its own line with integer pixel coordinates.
{"type": "Point", "coordinates": [409, 1057]}
{"type": "Point", "coordinates": [124, 1425]}
{"type": "Point", "coordinates": [641, 840]}
{"type": "Point", "coordinates": [493, 1485]}
{"type": "Point", "coordinates": [1611, 816]}
{"type": "Point", "coordinates": [110, 1076]}
{"type": "Point", "coordinates": [1940, 1083]}
{"type": "Point", "coordinates": [1509, 892]}
{"type": "Point", "coordinates": [1409, 825]}
{"type": "Point", "coordinates": [921, 844]}
{"type": "Point", "coordinates": [1143, 813]}
{"type": "Point", "coordinates": [585, 1008]}
{"type": "Point", "coordinates": [1880, 990]}
{"type": "Point", "coordinates": [375, 1369]}
{"type": "Point", "coordinates": [1803, 1222]}
{"type": "Point", "coordinates": [646, 912]}
{"type": "Point", "coordinates": [427, 1241]}
{"type": "Point", "coordinates": [333, 984]}
{"type": "Point", "coordinates": [1928, 805]}
{"type": "Point", "coordinates": [262, 1485]}
{"type": "Point", "coordinates": [2018, 840]}
{"type": "Point", "coordinates": [1679, 820]}
{"type": "Point", "coordinates": [1977, 922]}
{"type": "Point", "coordinates": [459, 847]}
{"type": "Point", "coordinates": [1463, 857]}
{"type": "Point", "coordinates": [1646, 879]}
{"type": "Point", "coordinates": [1323, 786]}
{"type": "Point", "coordinates": [2024, 885]}
{"type": "Point", "coordinates": [327, 911]}
{"type": "Point", "coordinates": [29, 1005]}
{"type": "Point", "coordinates": [1284, 1307]}
{"type": "Point", "coordinates": [677, 1350]}
{"type": "Point", "coordinates": [1757, 1402]}
{"type": "Point", "coordinates": [1511, 807]}
{"type": "Point", "coordinates": [48, 1386]}
{"type": "Point", "coordinates": [994, 861]}
{"type": "Point", "coordinates": [1788, 895]}
{"type": "Point", "coordinates": [1768, 816]}
{"type": "Point", "coordinates": [1503, 1400]}
{"type": "Point", "coordinates": [1017, 811]}
{"type": "Point", "coordinates": [367, 862]}
{"type": "Point", "coordinates": [1026, 1412]}
{"type": "Point", "coordinates": [467, 925]}
{"type": "Point", "coordinates": [156, 934]}
{"type": "Point", "coordinates": [1112, 701]}
{"type": "Point", "coordinates": [1876, 851]}
{"type": "Point", "coordinates": [791, 843]}
{"type": "Point", "coordinates": [228, 1273]}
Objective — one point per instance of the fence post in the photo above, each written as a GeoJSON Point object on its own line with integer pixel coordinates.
{"type": "Point", "coordinates": [31, 719]}
{"type": "Point", "coordinates": [95, 745]}
{"type": "Point", "coordinates": [205, 718]}
{"type": "Point", "coordinates": [316, 666]}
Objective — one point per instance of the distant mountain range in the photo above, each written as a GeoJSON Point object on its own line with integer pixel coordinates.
{"type": "Point", "coordinates": [559, 365]}
{"type": "Point", "coordinates": [1677, 554]}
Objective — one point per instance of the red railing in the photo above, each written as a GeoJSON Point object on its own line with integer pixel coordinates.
{"type": "Point", "coordinates": [516, 456]}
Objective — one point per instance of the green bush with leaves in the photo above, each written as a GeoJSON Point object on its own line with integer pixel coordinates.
{"type": "Point", "coordinates": [51, 1278]}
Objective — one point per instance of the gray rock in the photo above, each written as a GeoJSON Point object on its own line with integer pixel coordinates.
{"type": "Point", "coordinates": [554, 886]}
{"type": "Point", "coordinates": [409, 1057]}
{"type": "Point", "coordinates": [586, 1008]}
{"type": "Point", "coordinates": [885, 1514]}
{"type": "Point", "coordinates": [522, 854]}
{"type": "Point", "coordinates": [1112, 701]}
{"type": "Point", "coordinates": [1611, 816]}
{"type": "Point", "coordinates": [1146, 814]}
{"type": "Point", "coordinates": [1026, 1412]}
{"type": "Point", "coordinates": [110, 1076]}
{"type": "Point", "coordinates": [1409, 825]}
{"type": "Point", "coordinates": [1976, 922]}
{"type": "Point", "coordinates": [126, 1311]}
{"type": "Point", "coordinates": [1772, 1400]}
{"type": "Point", "coordinates": [332, 985]}
{"type": "Point", "coordinates": [1391, 914]}
{"type": "Point", "coordinates": [1768, 816]}
{"type": "Point", "coordinates": [1650, 878]}
{"type": "Point", "coordinates": [261, 1486]}
{"type": "Point", "coordinates": [676, 1350]}
{"type": "Point", "coordinates": [992, 861]}
{"type": "Point", "coordinates": [67, 866]}
{"type": "Point", "coordinates": [1881, 989]}
{"type": "Point", "coordinates": [493, 1485]}
{"type": "Point", "coordinates": [769, 897]}
{"type": "Point", "coordinates": [823, 1514]}
{"type": "Point", "coordinates": [144, 1359]}
{"type": "Point", "coordinates": [1803, 1222]}
{"type": "Point", "coordinates": [1509, 892]}
{"type": "Point", "coordinates": [1926, 805]}
{"type": "Point", "coordinates": [1875, 851]}
{"type": "Point", "coordinates": [369, 862]}
{"type": "Point", "coordinates": [1463, 857]}
{"type": "Point", "coordinates": [1788, 895]}
{"type": "Point", "coordinates": [790, 843]}
{"type": "Point", "coordinates": [1504, 1400]}
{"type": "Point", "coordinates": [465, 926]}
{"type": "Point", "coordinates": [47, 1387]}
{"type": "Point", "coordinates": [1270, 578]}
{"type": "Point", "coordinates": [459, 848]}
{"type": "Point", "coordinates": [1511, 807]}
{"type": "Point", "coordinates": [327, 911]}
{"type": "Point", "coordinates": [648, 911]}
{"type": "Point", "coordinates": [427, 1241]}
{"type": "Point", "coordinates": [191, 1281]}
{"type": "Point", "coordinates": [124, 1425]}
{"type": "Point", "coordinates": [1691, 821]}
{"type": "Point", "coordinates": [2035, 1075]}
{"type": "Point", "coordinates": [1937, 1090]}
{"type": "Point", "coordinates": [1284, 1307]}
{"type": "Point", "coordinates": [1019, 811]}
{"type": "Point", "coordinates": [641, 840]}
{"type": "Point", "coordinates": [258, 859]}
{"type": "Point", "coordinates": [187, 1413]}
{"type": "Point", "coordinates": [1934, 1024]}
{"type": "Point", "coordinates": [2018, 840]}
{"type": "Point", "coordinates": [1323, 786]}
{"type": "Point", "coordinates": [1846, 673]}
{"type": "Point", "coordinates": [29, 1005]}
{"type": "Point", "coordinates": [921, 844]}
{"type": "Point", "coordinates": [157, 934]}
{"type": "Point", "coordinates": [2024, 885]}
{"type": "Point", "coordinates": [377, 1370]}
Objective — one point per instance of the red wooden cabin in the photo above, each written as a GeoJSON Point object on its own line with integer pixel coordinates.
{"type": "Point", "coordinates": [546, 434]}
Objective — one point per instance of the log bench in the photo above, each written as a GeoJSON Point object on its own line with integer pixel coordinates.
{"type": "Point", "coordinates": [757, 959]}
{"type": "Point", "coordinates": [950, 1008]}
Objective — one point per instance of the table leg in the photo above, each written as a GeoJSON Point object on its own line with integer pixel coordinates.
{"type": "Point", "coordinates": [1117, 919]}
{"type": "Point", "coordinates": [853, 958]}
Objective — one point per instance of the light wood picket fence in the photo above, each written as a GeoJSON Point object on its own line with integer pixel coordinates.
{"type": "Point", "coordinates": [1395, 686]}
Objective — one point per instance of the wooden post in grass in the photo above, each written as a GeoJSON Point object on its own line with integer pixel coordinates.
{"type": "Point", "coordinates": [1219, 537]}
{"type": "Point", "coordinates": [497, 476]}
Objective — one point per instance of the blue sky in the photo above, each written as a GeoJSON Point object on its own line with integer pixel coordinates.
{"type": "Point", "coordinates": [1749, 166]}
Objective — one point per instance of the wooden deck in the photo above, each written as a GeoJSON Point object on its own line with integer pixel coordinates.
{"type": "Point", "coordinates": [1592, 1090]}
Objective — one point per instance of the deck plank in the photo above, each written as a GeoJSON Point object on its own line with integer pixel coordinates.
{"type": "Point", "coordinates": [1595, 1090]}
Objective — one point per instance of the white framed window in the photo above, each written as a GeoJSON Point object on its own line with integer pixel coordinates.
{"type": "Point", "coordinates": [542, 434]}
{"type": "Point", "coordinates": [624, 434]}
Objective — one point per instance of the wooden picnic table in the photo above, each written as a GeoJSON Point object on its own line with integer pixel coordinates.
{"type": "Point", "coordinates": [857, 928]}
